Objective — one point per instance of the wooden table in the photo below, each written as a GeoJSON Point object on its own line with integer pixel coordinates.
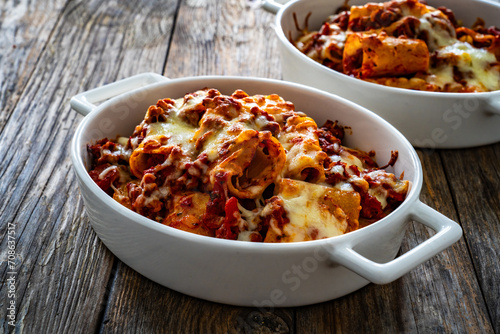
{"type": "Point", "coordinates": [65, 281]}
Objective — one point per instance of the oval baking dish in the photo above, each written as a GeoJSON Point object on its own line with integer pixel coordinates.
{"type": "Point", "coordinates": [427, 119]}
{"type": "Point", "coordinates": [246, 273]}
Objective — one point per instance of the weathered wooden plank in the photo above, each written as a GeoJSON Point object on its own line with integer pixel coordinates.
{"type": "Point", "coordinates": [57, 254]}
{"type": "Point", "coordinates": [223, 38]}
{"type": "Point", "coordinates": [25, 27]}
{"type": "Point", "coordinates": [474, 179]}
{"type": "Point", "coordinates": [139, 305]}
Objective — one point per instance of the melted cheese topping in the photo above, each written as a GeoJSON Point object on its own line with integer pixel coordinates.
{"type": "Point", "coordinates": [178, 132]}
{"type": "Point", "coordinates": [309, 219]}
{"type": "Point", "coordinates": [473, 62]}
{"type": "Point", "coordinates": [438, 36]}
{"type": "Point", "coordinates": [215, 141]}
{"type": "Point", "coordinates": [232, 128]}
{"type": "Point", "coordinates": [191, 100]}
{"type": "Point", "coordinates": [336, 40]}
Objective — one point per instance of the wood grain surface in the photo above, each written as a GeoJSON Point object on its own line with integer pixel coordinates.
{"type": "Point", "coordinates": [67, 281]}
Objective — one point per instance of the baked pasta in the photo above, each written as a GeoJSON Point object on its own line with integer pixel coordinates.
{"type": "Point", "coordinates": [407, 44]}
{"type": "Point", "coordinates": [245, 168]}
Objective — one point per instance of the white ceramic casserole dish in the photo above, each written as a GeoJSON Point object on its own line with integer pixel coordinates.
{"type": "Point", "coordinates": [245, 273]}
{"type": "Point", "coordinates": [427, 119]}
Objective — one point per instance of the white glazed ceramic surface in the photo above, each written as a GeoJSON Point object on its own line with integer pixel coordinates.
{"type": "Point", "coordinates": [245, 273]}
{"type": "Point", "coordinates": [427, 119]}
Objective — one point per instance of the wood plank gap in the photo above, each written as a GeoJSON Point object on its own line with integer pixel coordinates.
{"type": "Point", "coordinates": [94, 41]}
{"type": "Point", "coordinates": [107, 296]}
{"type": "Point", "coordinates": [412, 298]}
{"type": "Point", "coordinates": [171, 38]}
{"type": "Point", "coordinates": [467, 244]}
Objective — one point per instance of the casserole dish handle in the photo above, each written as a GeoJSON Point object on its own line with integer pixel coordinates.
{"type": "Point", "coordinates": [84, 102]}
{"type": "Point", "coordinates": [447, 233]}
{"type": "Point", "coordinates": [493, 104]}
{"type": "Point", "coordinates": [273, 6]}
